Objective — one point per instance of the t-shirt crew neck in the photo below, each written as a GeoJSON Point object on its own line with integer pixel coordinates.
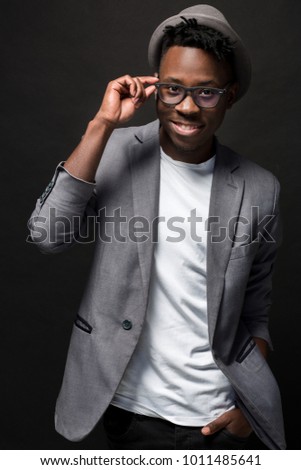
{"type": "Point", "coordinates": [207, 166]}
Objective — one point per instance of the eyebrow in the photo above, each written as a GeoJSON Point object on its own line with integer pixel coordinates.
{"type": "Point", "coordinates": [204, 83]}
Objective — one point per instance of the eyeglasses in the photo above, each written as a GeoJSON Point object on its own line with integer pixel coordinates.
{"type": "Point", "coordinates": [204, 97]}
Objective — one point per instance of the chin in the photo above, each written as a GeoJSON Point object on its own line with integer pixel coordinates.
{"type": "Point", "coordinates": [188, 144]}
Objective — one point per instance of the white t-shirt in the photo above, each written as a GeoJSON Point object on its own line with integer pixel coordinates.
{"type": "Point", "coordinates": [172, 374]}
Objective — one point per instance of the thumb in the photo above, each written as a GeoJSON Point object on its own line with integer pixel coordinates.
{"type": "Point", "coordinates": [216, 425]}
{"type": "Point", "coordinates": [149, 91]}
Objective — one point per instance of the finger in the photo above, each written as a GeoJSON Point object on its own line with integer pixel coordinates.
{"type": "Point", "coordinates": [148, 79]}
{"type": "Point", "coordinates": [133, 86]}
{"type": "Point", "coordinates": [140, 95]}
{"type": "Point", "coordinates": [127, 85]}
{"type": "Point", "coordinates": [143, 93]}
{"type": "Point", "coordinates": [149, 91]}
{"type": "Point", "coordinates": [215, 425]}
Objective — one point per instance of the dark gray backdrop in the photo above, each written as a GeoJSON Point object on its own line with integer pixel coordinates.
{"type": "Point", "coordinates": [57, 57]}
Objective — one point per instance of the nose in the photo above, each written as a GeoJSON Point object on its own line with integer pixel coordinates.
{"type": "Point", "coordinates": [187, 106]}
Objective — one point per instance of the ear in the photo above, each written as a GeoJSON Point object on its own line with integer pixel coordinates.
{"type": "Point", "coordinates": [231, 95]}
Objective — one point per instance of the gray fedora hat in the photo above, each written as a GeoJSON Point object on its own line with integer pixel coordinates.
{"type": "Point", "coordinates": [207, 16]}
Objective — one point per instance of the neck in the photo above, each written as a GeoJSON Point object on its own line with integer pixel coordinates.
{"type": "Point", "coordinates": [197, 154]}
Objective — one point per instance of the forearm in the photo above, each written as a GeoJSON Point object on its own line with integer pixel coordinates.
{"type": "Point", "coordinates": [60, 216]}
{"type": "Point", "coordinates": [84, 160]}
{"type": "Point", "coordinates": [122, 99]}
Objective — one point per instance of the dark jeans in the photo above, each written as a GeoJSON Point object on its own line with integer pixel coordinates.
{"type": "Point", "coordinates": [126, 430]}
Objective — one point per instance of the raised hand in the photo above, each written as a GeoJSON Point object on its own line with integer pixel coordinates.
{"type": "Point", "coordinates": [123, 97]}
{"type": "Point", "coordinates": [121, 100]}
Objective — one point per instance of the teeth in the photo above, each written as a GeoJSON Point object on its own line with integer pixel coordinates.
{"type": "Point", "coordinates": [185, 127]}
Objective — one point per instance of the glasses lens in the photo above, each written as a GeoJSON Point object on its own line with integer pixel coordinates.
{"type": "Point", "coordinates": [171, 94]}
{"type": "Point", "coordinates": [206, 98]}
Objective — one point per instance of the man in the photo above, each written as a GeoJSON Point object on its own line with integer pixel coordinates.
{"type": "Point", "coordinates": [171, 338]}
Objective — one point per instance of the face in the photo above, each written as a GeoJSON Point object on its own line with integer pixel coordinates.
{"type": "Point", "coordinates": [187, 131]}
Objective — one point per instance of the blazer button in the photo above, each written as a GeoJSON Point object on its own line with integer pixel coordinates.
{"type": "Point", "coordinates": [127, 325]}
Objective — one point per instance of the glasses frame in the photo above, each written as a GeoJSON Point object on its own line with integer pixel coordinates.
{"type": "Point", "coordinates": [192, 91]}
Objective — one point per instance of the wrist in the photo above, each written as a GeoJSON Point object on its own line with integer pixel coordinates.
{"type": "Point", "coordinates": [98, 130]}
{"type": "Point", "coordinates": [102, 122]}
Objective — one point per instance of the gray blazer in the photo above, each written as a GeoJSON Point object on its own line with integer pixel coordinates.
{"type": "Point", "coordinates": [243, 235]}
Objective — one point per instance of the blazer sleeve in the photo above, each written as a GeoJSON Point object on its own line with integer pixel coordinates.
{"type": "Point", "coordinates": [258, 297]}
{"type": "Point", "coordinates": [61, 213]}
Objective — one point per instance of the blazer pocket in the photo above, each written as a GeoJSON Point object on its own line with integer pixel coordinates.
{"type": "Point", "coordinates": [245, 350]}
{"type": "Point", "coordinates": [244, 250]}
{"type": "Point", "coordinates": [82, 324]}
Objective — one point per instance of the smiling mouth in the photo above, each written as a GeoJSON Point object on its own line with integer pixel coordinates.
{"type": "Point", "coordinates": [186, 129]}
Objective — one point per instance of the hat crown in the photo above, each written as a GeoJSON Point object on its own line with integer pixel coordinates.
{"type": "Point", "coordinates": [211, 17]}
{"type": "Point", "coordinates": [205, 10]}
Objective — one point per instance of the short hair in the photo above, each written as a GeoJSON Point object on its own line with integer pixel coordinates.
{"type": "Point", "coordinates": [189, 33]}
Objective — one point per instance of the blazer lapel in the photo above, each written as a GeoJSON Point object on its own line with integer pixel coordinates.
{"type": "Point", "coordinates": [145, 168]}
{"type": "Point", "coordinates": [226, 197]}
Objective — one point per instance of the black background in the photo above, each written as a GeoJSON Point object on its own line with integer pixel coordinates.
{"type": "Point", "coordinates": [56, 58]}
